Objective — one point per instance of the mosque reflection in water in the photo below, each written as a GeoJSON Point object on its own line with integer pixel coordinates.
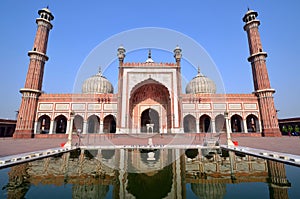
{"type": "Point", "coordinates": [136, 173]}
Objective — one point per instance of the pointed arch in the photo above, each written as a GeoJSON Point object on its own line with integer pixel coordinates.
{"type": "Point", "coordinates": [149, 94]}
{"type": "Point", "coordinates": [252, 123]}
{"type": "Point", "coordinates": [109, 124]}
{"type": "Point", "coordinates": [147, 82]}
{"type": "Point", "coordinates": [236, 123]}
{"type": "Point", "coordinates": [77, 123]}
{"type": "Point", "coordinates": [43, 124]}
{"type": "Point", "coordinates": [220, 123]}
{"type": "Point", "coordinates": [150, 121]}
{"type": "Point", "coordinates": [93, 124]}
{"type": "Point", "coordinates": [60, 123]}
{"type": "Point", "coordinates": [205, 124]}
{"type": "Point", "coordinates": [189, 124]}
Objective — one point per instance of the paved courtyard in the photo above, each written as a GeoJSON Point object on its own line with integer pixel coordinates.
{"type": "Point", "coordinates": [10, 146]}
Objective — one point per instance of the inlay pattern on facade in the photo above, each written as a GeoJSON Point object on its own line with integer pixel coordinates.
{"type": "Point", "coordinates": [235, 106]}
{"type": "Point", "coordinates": [45, 107]}
{"type": "Point", "coordinates": [250, 106]}
{"type": "Point", "coordinates": [78, 107]}
{"type": "Point", "coordinates": [110, 107]}
{"type": "Point", "coordinates": [94, 107]}
{"type": "Point", "coordinates": [61, 107]}
{"type": "Point", "coordinates": [204, 106]}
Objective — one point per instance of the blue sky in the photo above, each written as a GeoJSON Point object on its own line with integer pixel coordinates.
{"type": "Point", "coordinates": [79, 27]}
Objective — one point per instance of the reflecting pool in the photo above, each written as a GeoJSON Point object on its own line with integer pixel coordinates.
{"type": "Point", "coordinates": [159, 173]}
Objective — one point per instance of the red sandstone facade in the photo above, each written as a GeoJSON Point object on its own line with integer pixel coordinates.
{"type": "Point", "coordinates": [149, 98]}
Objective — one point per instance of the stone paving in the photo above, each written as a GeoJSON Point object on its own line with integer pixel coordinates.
{"type": "Point", "coordinates": [10, 146]}
{"type": "Point", "coordinates": [285, 144]}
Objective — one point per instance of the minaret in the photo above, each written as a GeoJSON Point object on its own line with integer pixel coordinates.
{"type": "Point", "coordinates": [177, 55]}
{"type": "Point", "coordinates": [121, 56]}
{"type": "Point", "coordinates": [34, 78]}
{"type": "Point", "coordinates": [262, 86]}
{"type": "Point", "coordinates": [278, 182]}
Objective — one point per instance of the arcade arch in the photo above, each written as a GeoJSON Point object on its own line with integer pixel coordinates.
{"type": "Point", "coordinates": [252, 123]}
{"type": "Point", "coordinates": [77, 123]}
{"type": "Point", "coordinates": [189, 124]}
{"type": "Point", "coordinates": [109, 124]}
{"type": "Point", "coordinates": [44, 124]}
{"type": "Point", "coordinates": [93, 124]}
{"type": "Point", "coordinates": [236, 123]}
{"type": "Point", "coordinates": [60, 123]}
{"type": "Point", "coordinates": [220, 123]}
{"type": "Point", "coordinates": [205, 124]}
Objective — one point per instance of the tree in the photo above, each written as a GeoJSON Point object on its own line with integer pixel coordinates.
{"type": "Point", "coordinates": [290, 129]}
{"type": "Point", "coordinates": [297, 129]}
{"type": "Point", "coordinates": [284, 129]}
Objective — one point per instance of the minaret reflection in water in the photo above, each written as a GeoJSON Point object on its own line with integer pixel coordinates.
{"type": "Point", "coordinates": [145, 173]}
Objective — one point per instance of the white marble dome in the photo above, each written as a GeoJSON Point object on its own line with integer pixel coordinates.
{"type": "Point", "coordinates": [200, 84]}
{"type": "Point", "coordinates": [97, 84]}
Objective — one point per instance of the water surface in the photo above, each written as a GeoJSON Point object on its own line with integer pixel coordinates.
{"type": "Point", "coordinates": [135, 173]}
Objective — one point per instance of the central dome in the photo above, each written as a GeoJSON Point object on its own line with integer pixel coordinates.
{"type": "Point", "coordinates": [200, 84]}
{"type": "Point", "coordinates": [97, 84]}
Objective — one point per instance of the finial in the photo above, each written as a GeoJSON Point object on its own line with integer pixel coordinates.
{"type": "Point", "coordinates": [149, 60]}
{"type": "Point", "coordinates": [198, 69]}
{"type": "Point", "coordinates": [177, 47]}
{"type": "Point", "coordinates": [99, 70]}
{"type": "Point", "coordinates": [47, 7]}
{"type": "Point", "coordinates": [149, 54]}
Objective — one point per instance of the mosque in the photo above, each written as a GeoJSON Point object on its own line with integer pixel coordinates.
{"type": "Point", "coordinates": [148, 99]}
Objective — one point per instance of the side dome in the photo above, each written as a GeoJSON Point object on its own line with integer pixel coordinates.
{"type": "Point", "coordinates": [97, 84]}
{"type": "Point", "coordinates": [200, 84]}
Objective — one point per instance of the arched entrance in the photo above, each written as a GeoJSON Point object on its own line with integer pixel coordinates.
{"type": "Point", "coordinates": [252, 123]}
{"type": "Point", "coordinates": [236, 123]}
{"type": "Point", "coordinates": [61, 124]}
{"type": "Point", "coordinates": [220, 123]}
{"type": "Point", "coordinates": [107, 153]}
{"type": "Point", "coordinates": [205, 124]}
{"type": "Point", "coordinates": [43, 124]}
{"type": "Point", "coordinates": [77, 123]}
{"type": "Point", "coordinates": [150, 105]}
{"type": "Point", "coordinates": [93, 124]}
{"type": "Point", "coordinates": [150, 121]}
{"type": "Point", "coordinates": [109, 124]}
{"type": "Point", "coordinates": [189, 124]}
{"type": "Point", "coordinates": [149, 186]}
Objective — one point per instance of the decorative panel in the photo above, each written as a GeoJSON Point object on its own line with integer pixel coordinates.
{"type": "Point", "coordinates": [46, 107]}
{"type": "Point", "coordinates": [78, 107]}
{"type": "Point", "coordinates": [250, 106]}
{"type": "Point", "coordinates": [204, 106]}
{"type": "Point", "coordinates": [62, 107]}
{"type": "Point", "coordinates": [235, 106]}
{"type": "Point", "coordinates": [220, 106]}
{"type": "Point", "coordinates": [110, 107]}
{"type": "Point", "coordinates": [188, 106]}
{"type": "Point", "coordinates": [94, 107]}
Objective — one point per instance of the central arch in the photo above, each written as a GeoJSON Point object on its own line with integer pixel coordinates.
{"type": "Point", "coordinates": [150, 105]}
{"type": "Point", "coordinates": [150, 121]}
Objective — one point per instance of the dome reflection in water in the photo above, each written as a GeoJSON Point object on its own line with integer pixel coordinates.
{"type": "Point", "coordinates": [148, 173]}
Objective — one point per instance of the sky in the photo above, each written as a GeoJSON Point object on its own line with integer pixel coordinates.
{"type": "Point", "coordinates": [82, 27]}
